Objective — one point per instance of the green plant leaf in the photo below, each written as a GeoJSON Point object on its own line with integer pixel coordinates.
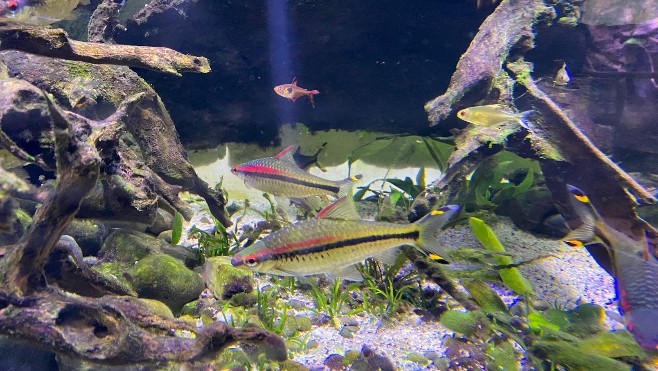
{"type": "Point", "coordinates": [407, 186]}
{"type": "Point", "coordinates": [612, 344]}
{"type": "Point", "coordinates": [462, 322]}
{"type": "Point", "coordinates": [511, 277]}
{"type": "Point", "coordinates": [502, 357]}
{"type": "Point", "coordinates": [538, 322]}
{"type": "Point", "coordinates": [487, 299]}
{"type": "Point", "coordinates": [177, 228]}
{"type": "Point", "coordinates": [420, 178]}
{"type": "Point", "coordinates": [565, 354]}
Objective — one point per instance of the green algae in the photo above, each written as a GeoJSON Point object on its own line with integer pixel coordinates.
{"type": "Point", "coordinates": [167, 279]}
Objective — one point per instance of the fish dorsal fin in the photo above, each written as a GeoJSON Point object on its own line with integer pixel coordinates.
{"type": "Point", "coordinates": [387, 256]}
{"type": "Point", "coordinates": [342, 208]}
{"type": "Point", "coordinates": [294, 81]}
{"type": "Point", "coordinates": [348, 272]}
{"type": "Point", "coordinates": [287, 154]}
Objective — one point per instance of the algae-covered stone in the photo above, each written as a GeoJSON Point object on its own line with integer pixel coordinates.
{"type": "Point", "coordinates": [303, 323]}
{"type": "Point", "coordinates": [418, 358]}
{"type": "Point", "coordinates": [224, 280]}
{"type": "Point", "coordinates": [167, 279]}
{"type": "Point", "coordinates": [131, 246]}
{"type": "Point", "coordinates": [244, 299]}
{"type": "Point", "coordinates": [88, 234]}
{"type": "Point", "coordinates": [158, 307]}
{"type": "Point", "coordinates": [114, 270]}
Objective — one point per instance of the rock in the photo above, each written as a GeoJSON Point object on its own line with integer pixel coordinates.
{"type": "Point", "coordinates": [529, 209]}
{"type": "Point", "coordinates": [224, 280]}
{"type": "Point", "coordinates": [163, 221]}
{"type": "Point", "coordinates": [418, 358]}
{"type": "Point", "coordinates": [303, 323]}
{"type": "Point", "coordinates": [334, 362]}
{"type": "Point", "coordinates": [158, 307]}
{"type": "Point", "coordinates": [244, 299]}
{"type": "Point", "coordinates": [131, 246]}
{"type": "Point", "coordinates": [166, 279]}
{"type": "Point", "coordinates": [88, 234]}
{"type": "Point", "coordinates": [116, 270]}
{"type": "Point", "coordinates": [165, 236]}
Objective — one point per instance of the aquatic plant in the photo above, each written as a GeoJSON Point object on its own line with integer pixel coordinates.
{"type": "Point", "coordinates": [332, 302]}
{"type": "Point", "coordinates": [497, 179]}
{"type": "Point", "coordinates": [268, 313]}
{"type": "Point", "coordinates": [218, 242]}
{"type": "Point", "coordinates": [176, 228]}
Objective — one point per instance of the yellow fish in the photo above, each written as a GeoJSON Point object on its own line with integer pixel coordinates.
{"type": "Point", "coordinates": [39, 13]}
{"type": "Point", "coordinates": [491, 115]}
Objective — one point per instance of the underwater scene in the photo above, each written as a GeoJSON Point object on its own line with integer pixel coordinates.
{"type": "Point", "coordinates": [328, 185]}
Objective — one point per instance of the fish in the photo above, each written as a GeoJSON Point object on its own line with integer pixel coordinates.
{"type": "Point", "coordinates": [293, 92]}
{"type": "Point", "coordinates": [40, 12]}
{"type": "Point", "coordinates": [280, 176]}
{"type": "Point", "coordinates": [337, 239]}
{"type": "Point", "coordinates": [492, 114]}
{"type": "Point", "coordinates": [634, 267]}
{"type": "Point", "coordinates": [561, 76]}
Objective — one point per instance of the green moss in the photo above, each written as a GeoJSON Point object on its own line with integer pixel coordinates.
{"type": "Point", "coordinates": [158, 307]}
{"type": "Point", "coordinates": [79, 69]}
{"type": "Point", "coordinates": [127, 246]}
{"type": "Point", "coordinates": [303, 323]}
{"type": "Point", "coordinates": [167, 279]}
{"type": "Point", "coordinates": [224, 280]}
{"type": "Point", "coordinates": [244, 299]}
{"type": "Point", "coordinates": [418, 358]}
{"type": "Point", "coordinates": [114, 269]}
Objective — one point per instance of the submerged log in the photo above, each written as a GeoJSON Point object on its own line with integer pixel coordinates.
{"type": "Point", "coordinates": [111, 329]}
{"type": "Point", "coordinates": [55, 43]}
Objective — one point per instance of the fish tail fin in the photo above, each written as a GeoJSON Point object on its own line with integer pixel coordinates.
{"type": "Point", "coordinates": [581, 204]}
{"type": "Point", "coordinates": [310, 95]}
{"type": "Point", "coordinates": [430, 227]}
{"type": "Point", "coordinates": [347, 185]}
{"type": "Point", "coordinates": [523, 117]}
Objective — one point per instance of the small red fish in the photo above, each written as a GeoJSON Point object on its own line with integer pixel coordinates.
{"type": "Point", "coordinates": [292, 92]}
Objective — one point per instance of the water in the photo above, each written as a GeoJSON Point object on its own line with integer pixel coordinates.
{"type": "Point", "coordinates": [509, 297]}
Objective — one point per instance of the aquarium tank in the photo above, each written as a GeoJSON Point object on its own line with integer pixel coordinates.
{"type": "Point", "coordinates": [328, 185]}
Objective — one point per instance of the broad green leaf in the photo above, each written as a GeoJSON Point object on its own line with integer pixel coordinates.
{"type": "Point", "coordinates": [612, 344]}
{"type": "Point", "coordinates": [538, 322]}
{"type": "Point", "coordinates": [407, 185]}
{"type": "Point", "coordinates": [565, 354]}
{"type": "Point", "coordinates": [487, 299]}
{"type": "Point", "coordinates": [395, 197]}
{"type": "Point", "coordinates": [511, 277]}
{"type": "Point", "coordinates": [420, 178]}
{"type": "Point", "coordinates": [502, 357]}
{"type": "Point", "coordinates": [176, 228]}
{"type": "Point", "coordinates": [462, 322]}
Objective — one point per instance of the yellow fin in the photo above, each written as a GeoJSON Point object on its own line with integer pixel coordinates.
{"type": "Point", "coordinates": [342, 208]}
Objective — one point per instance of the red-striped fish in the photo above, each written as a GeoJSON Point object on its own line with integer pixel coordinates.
{"type": "Point", "coordinates": [634, 267]}
{"type": "Point", "coordinates": [280, 176]}
{"type": "Point", "coordinates": [336, 240]}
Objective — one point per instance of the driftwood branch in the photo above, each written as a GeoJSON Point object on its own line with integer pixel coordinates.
{"type": "Point", "coordinates": [483, 61]}
{"type": "Point", "coordinates": [55, 43]}
{"type": "Point", "coordinates": [111, 329]}
{"type": "Point", "coordinates": [120, 330]}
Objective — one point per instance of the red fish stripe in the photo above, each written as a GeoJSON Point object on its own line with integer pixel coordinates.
{"type": "Point", "coordinates": [256, 169]}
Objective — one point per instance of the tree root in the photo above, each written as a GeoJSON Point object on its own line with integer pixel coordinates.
{"type": "Point", "coordinates": [56, 44]}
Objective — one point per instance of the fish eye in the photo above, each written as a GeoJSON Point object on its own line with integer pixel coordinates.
{"type": "Point", "coordinates": [234, 170]}
{"type": "Point", "coordinates": [462, 113]}
{"type": "Point", "coordinates": [250, 261]}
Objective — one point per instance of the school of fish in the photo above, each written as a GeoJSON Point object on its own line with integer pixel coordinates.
{"type": "Point", "coordinates": [634, 266]}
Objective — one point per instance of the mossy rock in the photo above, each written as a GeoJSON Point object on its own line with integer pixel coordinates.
{"type": "Point", "coordinates": [130, 246]}
{"type": "Point", "coordinates": [167, 279]}
{"type": "Point", "coordinates": [115, 270]}
{"type": "Point", "coordinates": [158, 307]}
{"type": "Point", "coordinates": [88, 234]}
{"type": "Point", "coordinates": [303, 323]}
{"type": "Point", "coordinates": [224, 280]}
{"type": "Point", "coordinates": [244, 299]}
